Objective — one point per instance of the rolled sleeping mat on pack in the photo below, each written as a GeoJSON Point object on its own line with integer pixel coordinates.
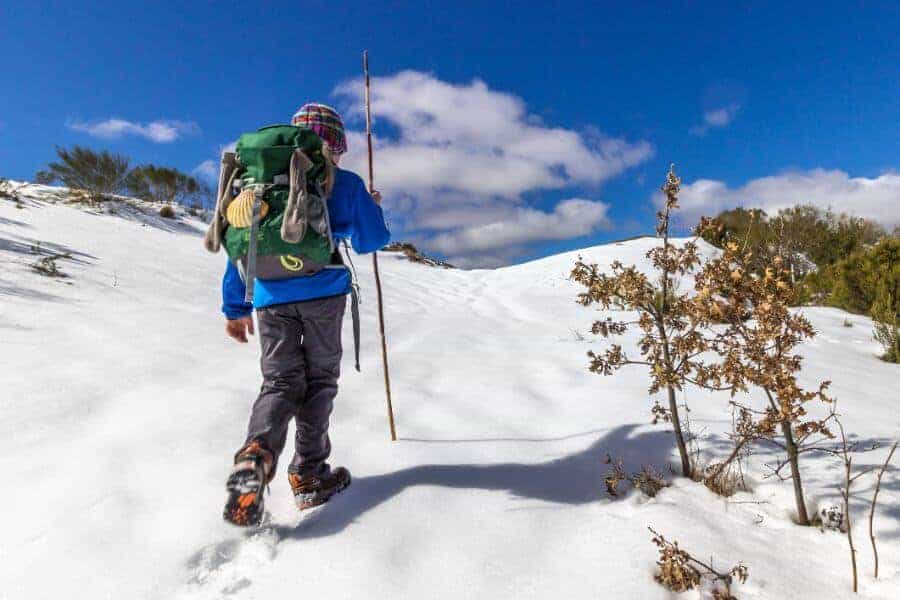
{"type": "Point", "coordinates": [293, 227]}
{"type": "Point", "coordinates": [228, 170]}
{"type": "Point", "coordinates": [302, 210]}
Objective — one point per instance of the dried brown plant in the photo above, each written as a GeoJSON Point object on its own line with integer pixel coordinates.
{"type": "Point", "coordinates": [615, 476]}
{"type": "Point", "coordinates": [679, 571]}
{"type": "Point", "coordinates": [672, 328]}
{"type": "Point", "coordinates": [649, 481]}
{"type": "Point", "coordinates": [47, 265]}
{"type": "Point", "coordinates": [759, 351]}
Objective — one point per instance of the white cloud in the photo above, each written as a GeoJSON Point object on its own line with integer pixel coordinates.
{"type": "Point", "coordinates": [876, 198]}
{"type": "Point", "coordinates": [483, 261]}
{"type": "Point", "coordinates": [208, 170]}
{"type": "Point", "coordinates": [160, 131]}
{"type": "Point", "coordinates": [570, 218]}
{"type": "Point", "coordinates": [458, 160]}
{"type": "Point", "coordinates": [719, 117]}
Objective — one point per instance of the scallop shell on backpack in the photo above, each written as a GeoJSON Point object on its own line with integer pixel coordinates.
{"type": "Point", "coordinates": [240, 212]}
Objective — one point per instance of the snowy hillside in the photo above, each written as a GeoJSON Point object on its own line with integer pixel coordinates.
{"type": "Point", "coordinates": [123, 401]}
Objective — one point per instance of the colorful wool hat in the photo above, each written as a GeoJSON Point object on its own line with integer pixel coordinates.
{"type": "Point", "coordinates": [325, 122]}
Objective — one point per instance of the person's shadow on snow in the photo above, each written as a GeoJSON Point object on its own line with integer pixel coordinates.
{"type": "Point", "coordinates": [572, 480]}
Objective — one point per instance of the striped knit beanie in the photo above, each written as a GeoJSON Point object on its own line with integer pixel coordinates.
{"type": "Point", "coordinates": [325, 122]}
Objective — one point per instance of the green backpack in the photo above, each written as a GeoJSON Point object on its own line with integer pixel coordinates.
{"type": "Point", "coordinates": [272, 205]}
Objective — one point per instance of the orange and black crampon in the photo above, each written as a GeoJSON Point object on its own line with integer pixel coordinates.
{"type": "Point", "coordinates": [246, 485]}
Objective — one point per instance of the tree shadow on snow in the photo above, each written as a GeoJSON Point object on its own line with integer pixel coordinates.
{"type": "Point", "coordinates": [887, 513]}
{"type": "Point", "coordinates": [148, 216]}
{"type": "Point", "coordinates": [32, 250]}
{"type": "Point", "coordinates": [9, 289]}
{"type": "Point", "coordinates": [823, 475]}
{"type": "Point", "coordinates": [573, 480]}
{"type": "Point", "coordinates": [15, 223]}
{"type": "Point", "coordinates": [41, 248]}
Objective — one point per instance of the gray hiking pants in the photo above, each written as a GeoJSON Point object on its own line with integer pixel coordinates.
{"type": "Point", "coordinates": [301, 363]}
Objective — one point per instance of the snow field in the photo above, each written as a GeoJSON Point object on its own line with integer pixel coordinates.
{"type": "Point", "coordinates": [123, 401]}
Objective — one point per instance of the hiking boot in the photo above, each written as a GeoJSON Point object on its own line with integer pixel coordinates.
{"type": "Point", "coordinates": [250, 474]}
{"type": "Point", "coordinates": [313, 490]}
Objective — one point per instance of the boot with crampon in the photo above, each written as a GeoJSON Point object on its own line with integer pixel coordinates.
{"type": "Point", "coordinates": [250, 475]}
{"type": "Point", "coordinates": [312, 490]}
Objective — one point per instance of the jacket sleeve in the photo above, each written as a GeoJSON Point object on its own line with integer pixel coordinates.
{"type": "Point", "coordinates": [370, 233]}
{"type": "Point", "coordinates": [233, 290]}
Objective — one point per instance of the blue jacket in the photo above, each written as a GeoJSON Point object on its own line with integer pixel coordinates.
{"type": "Point", "coordinates": [353, 215]}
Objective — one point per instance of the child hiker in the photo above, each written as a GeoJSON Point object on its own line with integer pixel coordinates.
{"type": "Point", "coordinates": [299, 324]}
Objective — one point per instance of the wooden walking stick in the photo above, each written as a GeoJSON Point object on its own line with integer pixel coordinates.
{"type": "Point", "coordinates": [384, 357]}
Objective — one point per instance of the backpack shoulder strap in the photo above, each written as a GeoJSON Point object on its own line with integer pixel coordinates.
{"type": "Point", "coordinates": [230, 167]}
{"type": "Point", "coordinates": [328, 184]}
{"type": "Point", "coordinates": [354, 301]}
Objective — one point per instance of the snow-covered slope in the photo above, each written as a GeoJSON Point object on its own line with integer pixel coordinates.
{"type": "Point", "coordinates": [123, 401]}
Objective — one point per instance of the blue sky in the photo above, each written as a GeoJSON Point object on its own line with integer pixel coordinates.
{"type": "Point", "coordinates": [506, 130]}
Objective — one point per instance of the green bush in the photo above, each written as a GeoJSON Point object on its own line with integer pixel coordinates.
{"type": "Point", "coordinates": [45, 177]}
{"type": "Point", "coordinates": [816, 287]}
{"type": "Point", "coordinates": [822, 250]}
{"type": "Point", "coordinates": [804, 236]}
{"type": "Point", "coordinates": [866, 282]}
{"type": "Point", "coordinates": [165, 185]}
{"type": "Point", "coordinates": [852, 284]}
{"type": "Point", "coordinates": [887, 322]}
{"type": "Point", "coordinates": [856, 280]}
{"type": "Point", "coordinates": [885, 311]}
{"type": "Point", "coordinates": [97, 173]}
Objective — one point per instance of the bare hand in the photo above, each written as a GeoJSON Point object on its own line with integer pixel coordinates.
{"type": "Point", "coordinates": [238, 329]}
{"type": "Point", "coordinates": [376, 196]}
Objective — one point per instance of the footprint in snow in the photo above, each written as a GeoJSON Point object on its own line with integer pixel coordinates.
{"type": "Point", "coordinates": [227, 567]}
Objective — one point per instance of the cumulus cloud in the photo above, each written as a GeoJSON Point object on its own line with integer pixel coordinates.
{"type": "Point", "coordinates": [570, 218]}
{"type": "Point", "coordinates": [208, 170]}
{"type": "Point", "coordinates": [876, 198]}
{"type": "Point", "coordinates": [719, 117]}
{"type": "Point", "coordinates": [456, 162]}
{"type": "Point", "coordinates": [160, 131]}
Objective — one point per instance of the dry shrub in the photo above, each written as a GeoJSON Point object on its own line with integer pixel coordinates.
{"type": "Point", "coordinates": [91, 198]}
{"type": "Point", "coordinates": [727, 476]}
{"type": "Point", "coordinates": [47, 265]}
{"type": "Point", "coordinates": [167, 212]}
{"type": "Point", "coordinates": [679, 571]}
{"type": "Point", "coordinates": [648, 480]}
{"type": "Point", "coordinates": [672, 339]}
{"type": "Point", "coordinates": [8, 190]}
{"type": "Point", "coordinates": [761, 353]}
{"type": "Point", "coordinates": [722, 480]}
{"type": "Point", "coordinates": [614, 476]}
{"type": "Point", "coordinates": [676, 572]}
